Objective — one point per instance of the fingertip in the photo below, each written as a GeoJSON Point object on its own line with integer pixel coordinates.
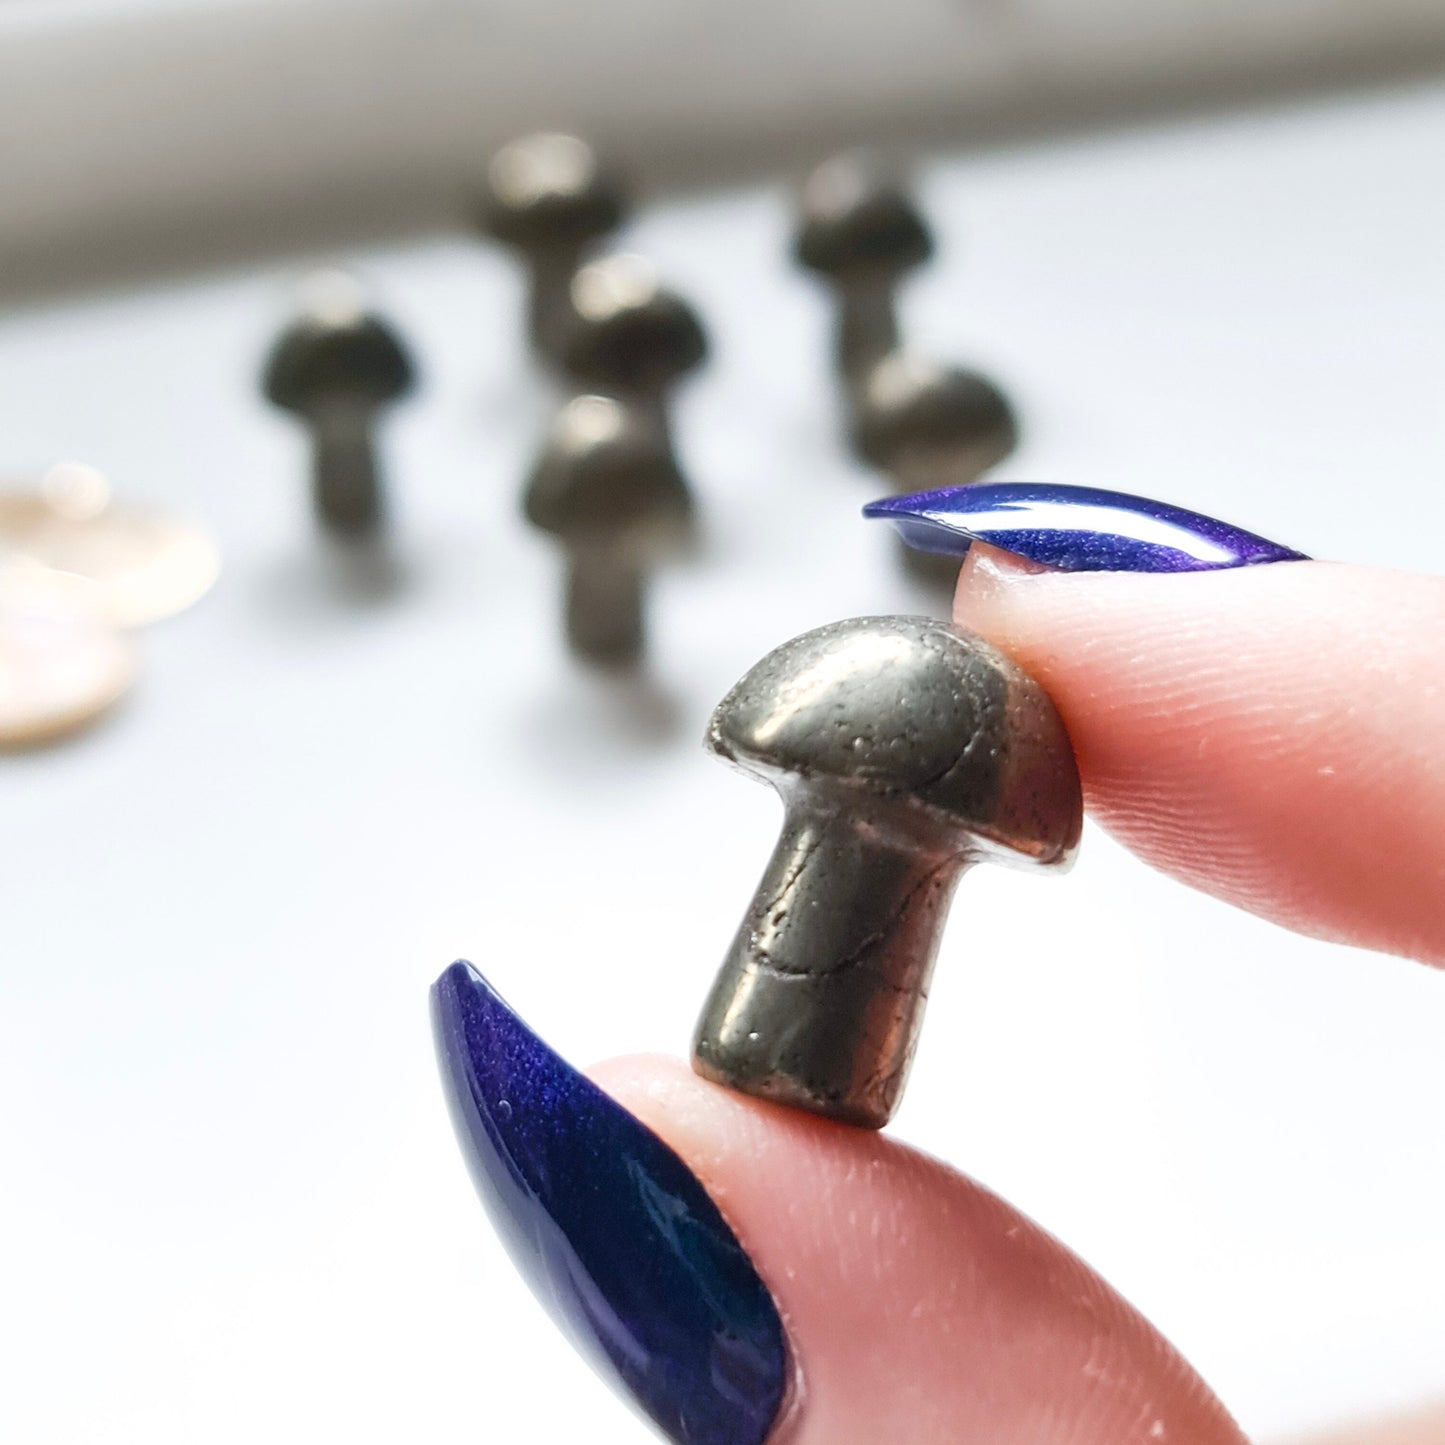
{"type": "Point", "coordinates": [710, 1126]}
{"type": "Point", "coordinates": [1268, 734]}
{"type": "Point", "coordinates": [917, 1305]}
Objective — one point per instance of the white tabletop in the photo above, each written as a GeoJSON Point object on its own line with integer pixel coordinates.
{"type": "Point", "coordinates": [234, 1210]}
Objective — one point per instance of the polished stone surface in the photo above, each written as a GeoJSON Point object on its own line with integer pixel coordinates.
{"type": "Point", "coordinates": [905, 750]}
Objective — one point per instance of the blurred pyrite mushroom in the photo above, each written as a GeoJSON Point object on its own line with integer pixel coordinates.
{"type": "Point", "coordinates": [607, 487]}
{"type": "Point", "coordinates": [904, 750]}
{"type": "Point", "coordinates": [927, 425]}
{"type": "Point", "coordinates": [859, 229]}
{"type": "Point", "coordinates": [608, 483]}
{"type": "Point", "coordinates": [629, 336]}
{"type": "Point", "coordinates": [337, 367]}
{"type": "Point", "coordinates": [629, 330]}
{"type": "Point", "coordinates": [549, 199]}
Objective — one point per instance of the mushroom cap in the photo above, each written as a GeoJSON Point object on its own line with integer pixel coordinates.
{"type": "Point", "coordinates": [917, 715]}
{"type": "Point", "coordinates": [906, 404]}
{"type": "Point", "coordinates": [605, 475]}
{"type": "Point", "coordinates": [343, 354]}
{"type": "Point", "coordinates": [549, 190]}
{"type": "Point", "coordinates": [855, 215]}
{"type": "Point", "coordinates": [628, 330]}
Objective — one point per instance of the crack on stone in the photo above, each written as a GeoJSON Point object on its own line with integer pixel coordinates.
{"type": "Point", "coordinates": [764, 963]}
{"type": "Point", "coordinates": [780, 895]}
{"type": "Point", "coordinates": [887, 928]}
{"type": "Point", "coordinates": [853, 959]}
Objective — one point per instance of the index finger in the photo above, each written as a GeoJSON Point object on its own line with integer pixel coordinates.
{"type": "Point", "coordinates": [1274, 736]}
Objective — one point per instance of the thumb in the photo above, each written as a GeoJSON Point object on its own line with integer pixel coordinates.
{"type": "Point", "coordinates": [918, 1306]}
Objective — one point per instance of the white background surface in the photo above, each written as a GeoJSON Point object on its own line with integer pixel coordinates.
{"type": "Point", "coordinates": [233, 1210]}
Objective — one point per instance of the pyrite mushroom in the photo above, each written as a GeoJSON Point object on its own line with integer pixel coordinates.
{"type": "Point", "coordinates": [928, 425]}
{"type": "Point", "coordinates": [550, 199]}
{"type": "Point", "coordinates": [337, 367]}
{"type": "Point", "coordinates": [859, 229]}
{"type": "Point", "coordinates": [629, 336]}
{"type": "Point", "coordinates": [905, 751]}
{"type": "Point", "coordinates": [608, 488]}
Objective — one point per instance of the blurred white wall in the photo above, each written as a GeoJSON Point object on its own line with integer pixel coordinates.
{"type": "Point", "coordinates": [140, 135]}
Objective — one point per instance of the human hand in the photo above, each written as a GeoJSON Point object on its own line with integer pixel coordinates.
{"type": "Point", "coordinates": [1268, 734]}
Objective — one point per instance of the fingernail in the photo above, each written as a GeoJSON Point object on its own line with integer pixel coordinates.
{"type": "Point", "coordinates": [613, 1232]}
{"type": "Point", "coordinates": [1074, 529]}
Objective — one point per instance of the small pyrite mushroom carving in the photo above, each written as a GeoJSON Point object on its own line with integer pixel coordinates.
{"type": "Point", "coordinates": [337, 367]}
{"type": "Point", "coordinates": [905, 751]}
{"type": "Point", "coordinates": [859, 228]}
{"type": "Point", "coordinates": [928, 425]}
{"type": "Point", "coordinates": [631, 337]}
{"type": "Point", "coordinates": [607, 482]}
{"type": "Point", "coordinates": [608, 488]}
{"type": "Point", "coordinates": [549, 198]}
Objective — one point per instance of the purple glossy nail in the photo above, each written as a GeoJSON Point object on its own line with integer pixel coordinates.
{"type": "Point", "coordinates": [1075, 529]}
{"type": "Point", "coordinates": [615, 1234]}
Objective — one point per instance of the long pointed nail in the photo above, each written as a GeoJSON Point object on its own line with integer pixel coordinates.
{"type": "Point", "coordinates": [613, 1232]}
{"type": "Point", "coordinates": [1076, 529]}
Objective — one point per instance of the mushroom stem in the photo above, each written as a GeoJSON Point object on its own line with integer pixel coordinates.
{"type": "Point", "coordinates": [820, 999]}
{"type": "Point", "coordinates": [346, 487]}
{"type": "Point", "coordinates": [549, 298]}
{"type": "Point", "coordinates": [866, 328]}
{"type": "Point", "coordinates": [604, 605]}
{"type": "Point", "coordinates": [649, 408]}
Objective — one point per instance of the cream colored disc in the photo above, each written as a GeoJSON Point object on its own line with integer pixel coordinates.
{"type": "Point", "coordinates": [62, 661]}
{"type": "Point", "coordinates": [145, 565]}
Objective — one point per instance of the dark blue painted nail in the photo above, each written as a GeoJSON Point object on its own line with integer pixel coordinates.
{"type": "Point", "coordinates": [1076, 529]}
{"type": "Point", "coordinates": [613, 1232]}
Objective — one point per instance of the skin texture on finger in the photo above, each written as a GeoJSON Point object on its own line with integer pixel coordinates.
{"type": "Point", "coordinates": [918, 1306]}
{"type": "Point", "coordinates": [1271, 735]}
{"type": "Point", "coordinates": [1426, 1427]}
